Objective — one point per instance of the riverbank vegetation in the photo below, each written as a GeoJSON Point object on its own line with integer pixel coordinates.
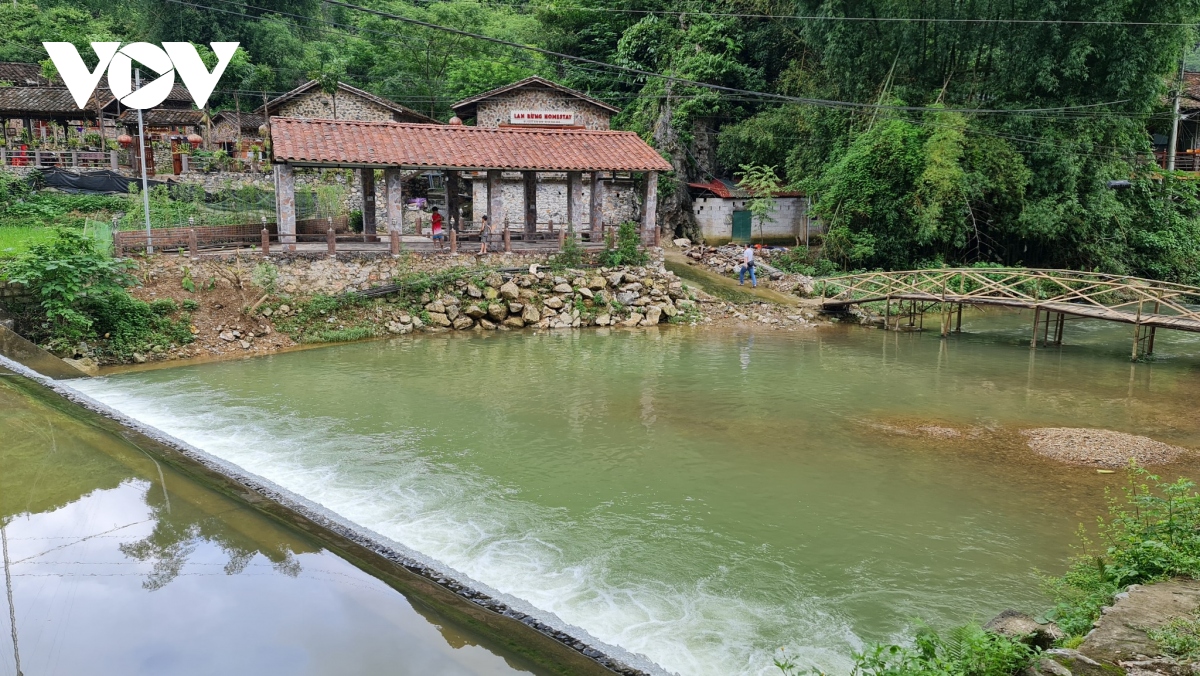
{"type": "Point", "coordinates": [1151, 534]}
{"type": "Point", "coordinates": [80, 295]}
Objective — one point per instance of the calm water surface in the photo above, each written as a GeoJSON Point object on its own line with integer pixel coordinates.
{"type": "Point", "coordinates": [703, 498]}
{"type": "Point", "coordinates": [121, 566]}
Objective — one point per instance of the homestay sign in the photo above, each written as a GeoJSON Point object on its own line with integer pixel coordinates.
{"type": "Point", "coordinates": [118, 61]}
{"type": "Point", "coordinates": [543, 118]}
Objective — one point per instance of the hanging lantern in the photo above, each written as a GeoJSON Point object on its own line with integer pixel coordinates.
{"type": "Point", "coordinates": [125, 140]}
{"type": "Point", "coordinates": [195, 140]}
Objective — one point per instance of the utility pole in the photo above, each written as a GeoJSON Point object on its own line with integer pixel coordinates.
{"type": "Point", "coordinates": [1175, 118]}
{"type": "Point", "coordinates": [145, 181]}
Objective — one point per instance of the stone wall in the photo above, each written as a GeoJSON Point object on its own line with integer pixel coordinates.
{"type": "Point", "coordinates": [318, 104]}
{"type": "Point", "coordinates": [714, 216]}
{"type": "Point", "coordinates": [494, 111]}
{"type": "Point", "coordinates": [621, 202]}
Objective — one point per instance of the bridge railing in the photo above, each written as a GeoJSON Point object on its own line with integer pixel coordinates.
{"type": "Point", "coordinates": [1018, 287]}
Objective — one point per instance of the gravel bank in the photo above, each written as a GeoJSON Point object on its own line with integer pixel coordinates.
{"type": "Point", "coordinates": [1099, 448]}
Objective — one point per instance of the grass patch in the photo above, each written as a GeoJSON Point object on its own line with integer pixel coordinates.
{"type": "Point", "coordinates": [340, 335]}
{"type": "Point", "coordinates": [1179, 638]}
{"type": "Point", "coordinates": [17, 239]}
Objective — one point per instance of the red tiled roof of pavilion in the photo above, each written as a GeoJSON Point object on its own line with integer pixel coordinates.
{"type": "Point", "coordinates": [379, 144]}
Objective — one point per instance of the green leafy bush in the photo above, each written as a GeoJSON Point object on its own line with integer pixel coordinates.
{"type": "Point", "coordinates": [1152, 533]}
{"type": "Point", "coordinates": [572, 254]}
{"type": "Point", "coordinates": [627, 250]}
{"type": "Point", "coordinates": [968, 650]}
{"type": "Point", "coordinates": [62, 274]}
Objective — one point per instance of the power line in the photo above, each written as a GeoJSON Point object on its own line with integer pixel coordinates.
{"type": "Point", "coordinates": [684, 81]}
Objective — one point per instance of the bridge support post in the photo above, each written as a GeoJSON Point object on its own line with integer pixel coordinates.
{"type": "Point", "coordinates": [887, 315]}
{"type": "Point", "coordinates": [1037, 315]}
{"type": "Point", "coordinates": [958, 322]}
{"type": "Point", "coordinates": [1058, 328]}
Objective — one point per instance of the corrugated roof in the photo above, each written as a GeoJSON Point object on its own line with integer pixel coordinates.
{"type": "Point", "coordinates": [533, 81]}
{"type": "Point", "coordinates": [164, 117]}
{"type": "Point", "coordinates": [344, 142]}
{"type": "Point", "coordinates": [42, 102]}
{"type": "Point", "coordinates": [413, 115]}
{"type": "Point", "coordinates": [727, 189]}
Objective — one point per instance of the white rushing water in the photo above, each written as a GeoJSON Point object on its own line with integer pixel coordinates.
{"type": "Point", "coordinates": [567, 565]}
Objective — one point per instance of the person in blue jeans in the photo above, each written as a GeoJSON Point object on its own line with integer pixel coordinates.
{"type": "Point", "coordinates": [747, 265]}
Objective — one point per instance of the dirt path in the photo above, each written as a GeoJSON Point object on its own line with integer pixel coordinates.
{"type": "Point", "coordinates": [723, 287]}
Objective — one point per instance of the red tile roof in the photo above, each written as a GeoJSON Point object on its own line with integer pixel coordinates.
{"type": "Point", "coordinates": [428, 146]}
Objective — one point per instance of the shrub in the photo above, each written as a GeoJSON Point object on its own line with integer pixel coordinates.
{"type": "Point", "coordinates": [1180, 637]}
{"type": "Point", "coordinates": [264, 276]}
{"type": "Point", "coordinates": [571, 256]}
{"type": "Point", "coordinates": [1152, 533]}
{"type": "Point", "coordinates": [964, 651]}
{"type": "Point", "coordinates": [190, 305]}
{"type": "Point", "coordinates": [61, 274]}
{"type": "Point", "coordinates": [627, 249]}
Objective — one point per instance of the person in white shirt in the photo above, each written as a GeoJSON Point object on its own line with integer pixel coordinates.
{"type": "Point", "coordinates": [747, 265]}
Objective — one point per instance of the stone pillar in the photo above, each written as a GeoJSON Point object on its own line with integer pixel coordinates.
{"type": "Point", "coordinates": [650, 208]}
{"type": "Point", "coordinates": [285, 203]}
{"type": "Point", "coordinates": [452, 205]}
{"type": "Point", "coordinates": [394, 208]}
{"type": "Point", "coordinates": [575, 200]}
{"type": "Point", "coordinates": [530, 202]}
{"type": "Point", "coordinates": [495, 196]}
{"type": "Point", "coordinates": [368, 202]}
{"type": "Point", "coordinates": [597, 204]}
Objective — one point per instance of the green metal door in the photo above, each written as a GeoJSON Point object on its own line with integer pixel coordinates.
{"type": "Point", "coordinates": [741, 226]}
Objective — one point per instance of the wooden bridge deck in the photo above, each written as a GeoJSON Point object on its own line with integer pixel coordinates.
{"type": "Point", "coordinates": [1144, 303]}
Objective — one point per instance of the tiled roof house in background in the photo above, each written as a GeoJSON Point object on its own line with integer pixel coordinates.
{"type": "Point", "coordinates": [348, 103]}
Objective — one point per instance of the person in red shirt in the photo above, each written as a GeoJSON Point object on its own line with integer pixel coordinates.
{"type": "Point", "coordinates": [436, 219]}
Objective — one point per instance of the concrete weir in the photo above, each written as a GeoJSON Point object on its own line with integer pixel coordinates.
{"type": "Point", "coordinates": [511, 623]}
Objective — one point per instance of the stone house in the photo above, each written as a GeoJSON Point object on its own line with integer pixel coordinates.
{"type": "Point", "coordinates": [347, 103]}
{"type": "Point", "coordinates": [228, 126]}
{"type": "Point", "coordinates": [720, 207]}
{"type": "Point", "coordinates": [536, 102]}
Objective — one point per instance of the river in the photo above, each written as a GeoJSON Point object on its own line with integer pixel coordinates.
{"type": "Point", "coordinates": [702, 497]}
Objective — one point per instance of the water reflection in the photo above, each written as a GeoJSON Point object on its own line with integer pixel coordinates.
{"type": "Point", "coordinates": [116, 564]}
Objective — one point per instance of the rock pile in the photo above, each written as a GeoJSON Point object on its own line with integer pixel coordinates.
{"type": "Point", "coordinates": [724, 260]}
{"type": "Point", "coordinates": [1099, 448]}
{"type": "Point", "coordinates": [625, 296]}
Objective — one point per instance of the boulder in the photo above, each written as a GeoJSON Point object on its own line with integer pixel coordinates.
{"type": "Point", "coordinates": [514, 322]}
{"type": "Point", "coordinates": [626, 297]}
{"type": "Point", "coordinates": [490, 293]}
{"type": "Point", "coordinates": [487, 325]}
{"type": "Point", "coordinates": [139, 358]}
{"type": "Point", "coordinates": [436, 306]}
{"type": "Point", "coordinates": [669, 310]}
{"type": "Point", "coordinates": [405, 319]}
{"type": "Point", "coordinates": [553, 302]}
{"type": "Point", "coordinates": [245, 344]}
{"type": "Point", "coordinates": [494, 280]}
{"type": "Point", "coordinates": [596, 283]}
{"type": "Point", "coordinates": [586, 292]}
{"type": "Point", "coordinates": [682, 242]}
{"type": "Point", "coordinates": [653, 315]}
{"type": "Point", "coordinates": [1017, 625]}
{"type": "Point", "coordinates": [439, 319]}
{"type": "Point", "coordinates": [531, 315]}
{"type": "Point", "coordinates": [510, 291]}
{"type": "Point", "coordinates": [1044, 666]}
{"type": "Point", "coordinates": [463, 323]}
{"type": "Point", "coordinates": [474, 311]}
{"type": "Point", "coordinates": [473, 291]}
{"type": "Point", "coordinates": [452, 312]}
{"type": "Point", "coordinates": [634, 320]}
{"type": "Point", "coordinates": [226, 336]}
{"type": "Point", "coordinates": [615, 278]}
{"type": "Point", "coordinates": [86, 364]}
{"type": "Point", "coordinates": [515, 308]}
{"type": "Point", "coordinates": [1120, 633]}
{"type": "Point", "coordinates": [603, 320]}
{"type": "Point", "coordinates": [562, 288]}
{"type": "Point", "coordinates": [416, 322]}
{"type": "Point", "coordinates": [497, 312]}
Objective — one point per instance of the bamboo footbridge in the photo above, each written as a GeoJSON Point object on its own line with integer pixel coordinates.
{"type": "Point", "coordinates": [1145, 304]}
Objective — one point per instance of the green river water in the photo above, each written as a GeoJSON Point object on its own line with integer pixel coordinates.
{"type": "Point", "coordinates": [702, 497]}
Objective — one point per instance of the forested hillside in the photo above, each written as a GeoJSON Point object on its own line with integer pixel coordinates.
{"type": "Point", "coordinates": [928, 132]}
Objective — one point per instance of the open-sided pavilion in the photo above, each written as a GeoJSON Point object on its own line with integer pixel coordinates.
{"type": "Point", "coordinates": [452, 149]}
